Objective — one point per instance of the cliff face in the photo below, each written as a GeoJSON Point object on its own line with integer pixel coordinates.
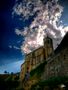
{"type": "Point", "coordinates": [37, 57]}
{"type": "Point", "coordinates": [35, 76]}
{"type": "Point", "coordinates": [51, 72]}
{"type": "Point", "coordinates": [49, 69]}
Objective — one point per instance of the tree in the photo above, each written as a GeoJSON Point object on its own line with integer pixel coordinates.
{"type": "Point", "coordinates": [12, 73]}
{"type": "Point", "coordinates": [5, 72]}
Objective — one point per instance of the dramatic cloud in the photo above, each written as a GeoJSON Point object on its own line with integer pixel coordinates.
{"type": "Point", "coordinates": [46, 22]}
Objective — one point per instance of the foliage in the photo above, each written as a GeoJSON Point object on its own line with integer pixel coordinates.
{"type": "Point", "coordinates": [9, 82]}
{"type": "Point", "coordinates": [39, 70]}
{"type": "Point", "coordinates": [51, 82]}
{"type": "Point", "coordinates": [6, 72]}
{"type": "Point", "coordinates": [19, 88]}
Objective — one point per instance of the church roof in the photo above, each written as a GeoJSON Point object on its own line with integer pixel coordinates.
{"type": "Point", "coordinates": [63, 44]}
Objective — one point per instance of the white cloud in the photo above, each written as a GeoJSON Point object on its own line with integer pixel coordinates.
{"type": "Point", "coordinates": [18, 32]}
{"type": "Point", "coordinates": [48, 15]}
{"type": "Point", "coordinates": [16, 47]}
{"type": "Point", "coordinates": [22, 32]}
{"type": "Point", "coordinates": [10, 46]}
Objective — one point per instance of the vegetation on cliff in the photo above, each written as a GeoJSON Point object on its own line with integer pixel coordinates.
{"type": "Point", "coordinates": [38, 70]}
{"type": "Point", "coordinates": [51, 83]}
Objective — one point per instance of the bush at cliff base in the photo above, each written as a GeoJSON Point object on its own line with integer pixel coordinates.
{"type": "Point", "coordinates": [51, 82]}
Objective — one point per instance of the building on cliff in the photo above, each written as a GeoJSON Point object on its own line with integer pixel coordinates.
{"type": "Point", "coordinates": [33, 59]}
{"type": "Point", "coordinates": [57, 60]}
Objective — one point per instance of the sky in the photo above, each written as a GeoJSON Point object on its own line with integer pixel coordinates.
{"type": "Point", "coordinates": [23, 26]}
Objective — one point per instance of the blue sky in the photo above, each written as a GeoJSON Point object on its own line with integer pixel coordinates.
{"type": "Point", "coordinates": [11, 56]}
{"type": "Point", "coordinates": [11, 67]}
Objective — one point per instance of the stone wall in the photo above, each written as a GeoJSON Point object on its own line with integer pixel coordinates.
{"type": "Point", "coordinates": [22, 73]}
{"type": "Point", "coordinates": [33, 59]}
{"type": "Point", "coordinates": [57, 65]}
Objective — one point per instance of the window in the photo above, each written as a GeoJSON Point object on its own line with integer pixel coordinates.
{"type": "Point", "coordinates": [64, 56]}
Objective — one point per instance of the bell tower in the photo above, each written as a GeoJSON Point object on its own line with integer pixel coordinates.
{"type": "Point", "coordinates": [48, 45]}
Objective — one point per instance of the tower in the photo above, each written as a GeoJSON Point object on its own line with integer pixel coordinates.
{"type": "Point", "coordinates": [48, 45]}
